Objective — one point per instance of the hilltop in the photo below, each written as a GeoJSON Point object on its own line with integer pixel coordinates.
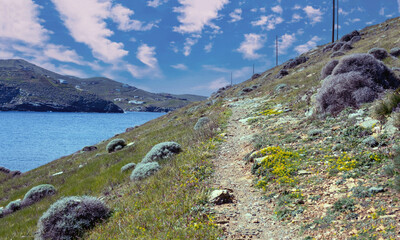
{"type": "Point", "coordinates": [291, 161]}
{"type": "Point", "coordinates": [25, 86]}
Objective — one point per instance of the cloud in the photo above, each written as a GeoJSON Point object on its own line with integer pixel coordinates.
{"type": "Point", "coordinates": [307, 46]}
{"type": "Point", "coordinates": [382, 11]}
{"type": "Point", "coordinates": [156, 3]}
{"type": "Point", "coordinates": [180, 66]}
{"type": "Point", "coordinates": [85, 19]}
{"type": "Point", "coordinates": [296, 18]}
{"type": "Point", "coordinates": [121, 16]}
{"type": "Point", "coordinates": [214, 85]}
{"type": "Point", "coordinates": [208, 47]}
{"type": "Point", "coordinates": [285, 42]}
{"type": "Point", "coordinates": [296, 7]}
{"type": "Point", "coordinates": [62, 53]}
{"type": "Point", "coordinates": [268, 22]}
{"type": "Point", "coordinates": [196, 14]}
{"type": "Point", "coordinates": [189, 43]}
{"type": "Point", "coordinates": [251, 44]}
{"type": "Point", "coordinates": [19, 20]}
{"type": "Point", "coordinates": [242, 73]}
{"type": "Point", "coordinates": [277, 9]}
{"type": "Point", "coordinates": [314, 14]}
{"type": "Point", "coordinates": [236, 15]}
{"type": "Point", "coordinates": [146, 55]}
{"type": "Point", "coordinates": [398, 3]}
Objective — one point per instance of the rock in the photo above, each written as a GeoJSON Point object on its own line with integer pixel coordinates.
{"type": "Point", "coordinates": [129, 129]}
{"type": "Point", "coordinates": [131, 144]}
{"type": "Point", "coordinates": [368, 123]}
{"type": "Point", "coordinates": [375, 190]}
{"type": "Point", "coordinates": [57, 173]}
{"type": "Point", "coordinates": [201, 123]}
{"type": "Point", "coordinates": [89, 148]}
{"type": "Point", "coordinates": [370, 141]}
{"type": "Point", "coordinates": [220, 197]}
{"type": "Point", "coordinates": [303, 172]}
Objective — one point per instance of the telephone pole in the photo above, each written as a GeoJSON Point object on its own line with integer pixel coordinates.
{"type": "Point", "coordinates": [333, 22]}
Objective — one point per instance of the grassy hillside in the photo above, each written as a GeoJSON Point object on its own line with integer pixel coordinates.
{"type": "Point", "coordinates": [319, 175]}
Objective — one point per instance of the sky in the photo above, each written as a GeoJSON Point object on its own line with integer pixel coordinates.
{"type": "Point", "coordinates": [174, 46]}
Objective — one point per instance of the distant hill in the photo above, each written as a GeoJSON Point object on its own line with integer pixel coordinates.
{"type": "Point", "coordinates": [25, 86]}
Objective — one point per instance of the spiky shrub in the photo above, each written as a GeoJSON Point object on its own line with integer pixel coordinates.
{"type": "Point", "coordinates": [70, 217]}
{"type": "Point", "coordinates": [395, 52]}
{"type": "Point", "coordinates": [354, 40]}
{"type": "Point", "coordinates": [162, 151]}
{"type": "Point", "coordinates": [14, 205]}
{"type": "Point", "coordinates": [128, 167]}
{"type": "Point", "coordinates": [295, 62]}
{"type": "Point", "coordinates": [337, 54]}
{"type": "Point", "coordinates": [327, 70]}
{"type": "Point", "coordinates": [346, 47]}
{"type": "Point", "coordinates": [38, 193]}
{"type": "Point", "coordinates": [338, 46]}
{"type": "Point", "coordinates": [114, 144]}
{"type": "Point", "coordinates": [349, 36]}
{"type": "Point", "coordinates": [386, 106]}
{"type": "Point", "coordinates": [345, 90]}
{"type": "Point", "coordinates": [144, 170]}
{"type": "Point", "coordinates": [379, 53]}
{"type": "Point", "coordinates": [204, 121]}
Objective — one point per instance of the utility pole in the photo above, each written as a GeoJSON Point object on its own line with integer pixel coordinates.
{"type": "Point", "coordinates": [337, 20]}
{"type": "Point", "coordinates": [333, 22]}
{"type": "Point", "coordinates": [276, 45]}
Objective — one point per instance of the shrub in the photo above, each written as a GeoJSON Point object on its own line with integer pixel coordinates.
{"type": "Point", "coordinates": [385, 107]}
{"type": "Point", "coordinates": [395, 52]}
{"type": "Point", "coordinates": [162, 151]}
{"type": "Point", "coordinates": [328, 47]}
{"type": "Point", "coordinates": [337, 54]}
{"type": "Point", "coordinates": [327, 70]}
{"type": "Point", "coordinates": [14, 205]}
{"type": "Point", "coordinates": [379, 53]}
{"type": "Point", "coordinates": [282, 73]}
{"type": "Point", "coordinates": [346, 47]}
{"type": "Point", "coordinates": [115, 144]}
{"type": "Point", "coordinates": [128, 166]}
{"type": "Point", "coordinates": [369, 67]}
{"type": "Point", "coordinates": [5, 170]}
{"type": "Point", "coordinates": [1, 212]}
{"type": "Point", "coordinates": [354, 40]}
{"type": "Point", "coordinates": [37, 193]}
{"type": "Point", "coordinates": [144, 170]}
{"type": "Point", "coordinates": [344, 205]}
{"type": "Point", "coordinates": [338, 46]}
{"type": "Point", "coordinates": [295, 62]}
{"type": "Point", "coordinates": [345, 90]}
{"type": "Point", "coordinates": [202, 122]}
{"type": "Point", "coordinates": [350, 36]}
{"type": "Point", "coordinates": [69, 217]}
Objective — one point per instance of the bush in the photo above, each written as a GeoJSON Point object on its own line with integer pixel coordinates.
{"type": "Point", "coordinates": [128, 166]}
{"type": "Point", "coordinates": [5, 170]}
{"type": "Point", "coordinates": [345, 90]}
{"type": "Point", "coordinates": [379, 53]}
{"type": "Point", "coordinates": [354, 40]}
{"type": "Point", "coordinates": [327, 70]}
{"type": "Point", "coordinates": [395, 52]}
{"type": "Point", "coordinates": [385, 107]}
{"type": "Point", "coordinates": [344, 205]}
{"type": "Point", "coordinates": [37, 193]}
{"type": "Point", "coordinates": [162, 151]}
{"type": "Point", "coordinates": [369, 67]}
{"type": "Point", "coordinates": [14, 205]}
{"type": "Point", "coordinates": [338, 46]}
{"type": "Point", "coordinates": [295, 62]}
{"type": "Point", "coordinates": [69, 217]}
{"type": "Point", "coordinates": [202, 122]}
{"type": "Point", "coordinates": [115, 145]}
{"type": "Point", "coordinates": [337, 54]}
{"type": "Point", "coordinates": [282, 73]}
{"type": "Point", "coordinates": [350, 36]}
{"type": "Point", "coordinates": [346, 47]}
{"type": "Point", "coordinates": [328, 47]}
{"type": "Point", "coordinates": [144, 170]}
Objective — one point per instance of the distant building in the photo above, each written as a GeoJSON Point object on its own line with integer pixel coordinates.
{"type": "Point", "coordinates": [136, 102]}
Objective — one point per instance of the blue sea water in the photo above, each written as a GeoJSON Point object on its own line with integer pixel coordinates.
{"type": "Point", "coordinates": [31, 139]}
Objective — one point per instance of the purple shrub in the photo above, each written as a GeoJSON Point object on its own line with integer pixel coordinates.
{"type": "Point", "coordinates": [327, 70]}
{"type": "Point", "coordinates": [379, 53]}
{"type": "Point", "coordinates": [328, 47]}
{"type": "Point", "coordinates": [38, 193]}
{"type": "Point", "coordinates": [338, 46]}
{"type": "Point", "coordinates": [70, 217]}
{"type": "Point", "coordinates": [395, 52]}
{"type": "Point", "coordinates": [349, 37]}
{"type": "Point", "coordinates": [337, 54]}
{"type": "Point", "coordinates": [5, 170]}
{"type": "Point", "coordinates": [295, 62]}
{"type": "Point", "coordinates": [346, 47]}
{"type": "Point", "coordinates": [354, 40]}
{"type": "Point", "coordinates": [282, 73]}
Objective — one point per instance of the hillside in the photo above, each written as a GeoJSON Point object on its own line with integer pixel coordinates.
{"type": "Point", "coordinates": [52, 88]}
{"type": "Point", "coordinates": [295, 163]}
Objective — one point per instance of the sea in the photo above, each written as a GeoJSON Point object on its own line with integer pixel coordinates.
{"type": "Point", "coordinates": [31, 139]}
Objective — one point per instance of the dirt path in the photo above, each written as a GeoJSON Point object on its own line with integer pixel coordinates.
{"type": "Point", "coordinates": [248, 217]}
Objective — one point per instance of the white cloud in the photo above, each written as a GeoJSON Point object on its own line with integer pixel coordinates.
{"type": "Point", "coordinates": [307, 46]}
{"type": "Point", "coordinates": [6, 54]}
{"type": "Point", "coordinates": [146, 55]}
{"type": "Point", "coordinates": [354, 20]}
{"type": "Point", "coordinates": [268, 22]}
{"type": "Point", "coordinates": [236, 15]}
{"type": "Point", "coordinates": [263, 10]}
{"type": "Point", "coordinates": [180, 66]}
{"type": "Point", "coordinates": [61, 53]}
{"type": "Point", "coordinates": [382, 11]}
{"type": "Point", "coordinates": [196, 14]}
{"type": "Point", "coordinates": [296, 18]}
{"type": "Point", "coordinates": [189, 43]}
{"type": "Point", "coordinates": [121, 16]}
{"type": "Point", "coordinates": [277, 9]}
{"type": "Point", "coordinates": [85, 19]}
{"type": "Point", "coordinates": [19, 21]}
{"type": "Point", "coordinates": [208, 47]}
{"type": "Point", "coordinates": [240, 74]}
{"type": "Point", "coordinates": [398, 3]}
{"type": "Point", "coordinates": [285, 42]}
{"type": "Point", "coordinates": [156, 3]}
{"type": "Point", "coordinates": [251, 44]}
{"type": "Point", "coordinates": [214, 85]}
{"type": "Point", "coordinates": [296, 7]}
{"type": "Point", "coordinates": [314, 14]}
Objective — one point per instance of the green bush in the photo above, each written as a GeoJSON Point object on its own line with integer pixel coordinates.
{"type": "Point", "coordinates": [144, 170]}
{"type": "Point", "coordinates": [37, 193]}
{"type": "Point", "coordinates": [128, 166]}
{"type": "Point", "coordinates": [385, 107]}
{"type": "Point", "coordinates": [115, 145]}
{"type": "Point", "coordinates": [162, 151]}
{"type": "Point", "coordinates": [344, 205]}
{"type": "Point", "coordinates": [70, 217]}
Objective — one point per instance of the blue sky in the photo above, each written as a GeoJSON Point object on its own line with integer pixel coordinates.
{"type": "Point", "coordinates": [175, 46]}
